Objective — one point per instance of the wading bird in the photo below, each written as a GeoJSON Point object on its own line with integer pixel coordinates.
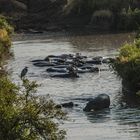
{"type": "Point", "coordinates": [24, 72]}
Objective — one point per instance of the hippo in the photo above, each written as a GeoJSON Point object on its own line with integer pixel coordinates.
{"type": "Point", "coordinates": [98, 103]}
{"type": "Point", "coordinates": [64, 70]}
{"type": "Point", "coordinates": [71, 73]}
{"type": "Point", "coordinates": [108, 60]}
{"type": "Point", "coordinates": [38, 60]}
{"type": "Point", "coordinates": [61, 56]}
{"type": "Point", "coordinates": [98, 58]}
{"type": "Point", "coordinates": [61, 70]}
{"type": "Point", "coordinates": [68, 105]}
{"type": "Point", "coordinates": [60, 60]}
{"type": "Point", "coordinates": [79, 56]}
{"type": "Point", "coordinates": [94, 69]}
{"type": "Point", "coordinates": [97, 62]}
{"type": "Point", "coordinates": [41, 60]}
{"type": "Point", "coordinates": [87, 66]}
{"type": "Point", "coordinates": [43, 64]}
{"type": "Point", "coordinates": [65, 75]}
{"type": "Point", "coordinates": [61, 66]}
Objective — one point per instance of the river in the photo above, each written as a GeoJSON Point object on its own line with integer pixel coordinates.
{"type": "Point", "coordinates": [120, 122]}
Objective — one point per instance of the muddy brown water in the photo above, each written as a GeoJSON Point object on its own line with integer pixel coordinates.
{"type": "Point", "coordinates": [120, 122]}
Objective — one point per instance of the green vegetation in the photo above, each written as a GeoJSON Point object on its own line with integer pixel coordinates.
{"type": "Point", "coordinates": [112, 14]}
{"type": "Point", "coordinates": [120, 14]}
{"type": "Point", "coordinates": [5, 39]}
{"type": "Point", "coordinates": [127, 65]}
{"type": "Point", "coordinates": [23, 114]}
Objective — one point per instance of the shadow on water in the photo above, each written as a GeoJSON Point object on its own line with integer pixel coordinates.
{"type": "Point", "coordinates": [126, 100]}
{"type": "Point", "coordinates": [98, 116]}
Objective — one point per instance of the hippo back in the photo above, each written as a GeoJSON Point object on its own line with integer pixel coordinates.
{"type": "Point", "coordinates": [99, 102]}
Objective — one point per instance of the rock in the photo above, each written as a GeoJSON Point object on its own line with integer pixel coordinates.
{"type": "Point", "coordinates": [98, 103]}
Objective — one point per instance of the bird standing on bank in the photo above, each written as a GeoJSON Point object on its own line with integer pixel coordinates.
{"type": "Point", "coordinates": [24, 72]}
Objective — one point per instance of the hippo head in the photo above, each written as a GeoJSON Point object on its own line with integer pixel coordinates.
{"type": "Point", "coordinates": [99, 102]}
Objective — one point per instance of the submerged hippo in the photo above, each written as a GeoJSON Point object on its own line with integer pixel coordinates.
{"type": "Point", "coordinates": [65, 75]}
{"type": "Point", "coordinates": [61, 70]}
{"type": "Point", "coordinates": [99, 102]}
{"type": "Point", "coordinates": [93, 61]}
{"type": "Point", "coordinates": [44, 64]}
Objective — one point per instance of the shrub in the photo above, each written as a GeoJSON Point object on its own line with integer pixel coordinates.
{"type": "Point", "coordinates": [5, 25]}
{"type": "Point", "coordinates": [127, 65]}
{"type": "Point", "coordinates": [25, 116]}
{"type": "Point", "coordinates": [129, 20]}
{"type": "Point", "coordinates": [5, 40]}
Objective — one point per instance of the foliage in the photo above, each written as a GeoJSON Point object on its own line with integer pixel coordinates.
{"type": "Point", "coordinates": [128, 20]}
{"type": "Point", "coordinates": [25, 116]}
{"type": "Point", "coordinates": [5, 25]}
{"type": "Point", "coordinates": [5, 40]}
{"type": "Point", "coordinates": [127, 64]}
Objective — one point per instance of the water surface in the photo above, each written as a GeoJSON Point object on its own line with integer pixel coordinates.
{"type": "Point", "coordinates": [120, 122]}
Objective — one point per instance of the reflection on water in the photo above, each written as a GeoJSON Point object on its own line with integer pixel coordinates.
{"type": "Point", "coordinates": [120, 122]}
{"type": "Point", "coordinates": [98, 116]}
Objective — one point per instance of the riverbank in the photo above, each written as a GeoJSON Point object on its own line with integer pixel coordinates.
{"type": "Point", "coordinates": [59, 15]}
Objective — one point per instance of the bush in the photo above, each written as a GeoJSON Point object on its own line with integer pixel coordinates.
{"type": "Point", "coordinates": [5, 39]}
{"type": "Point", "coordinates": [127, 65]}
{"type": "Point", "coordinates": [5, 25]}
{"type": "Point", "coordinates": [24, 116]}
{"type": "Point", "coordinates": [129, 20]}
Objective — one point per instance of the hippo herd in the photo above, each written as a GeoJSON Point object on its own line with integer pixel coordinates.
{"type": "Point", "coordinates": [70, 66]}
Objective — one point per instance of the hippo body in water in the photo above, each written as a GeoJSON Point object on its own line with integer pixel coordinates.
{"type": "Point", "coordinates": [44, 64]}
{"type": "Point", "coordinates": [38, 60]}
{"type": "Point", "coordinates": [98, 103]}
{"type": "Point", "coordinates": [64, 70]}
{"type": "Point", "coordinates": [61, 70]}
{"type": "Point", "coordinates": [61, 66]}
{"type": "Point", "coordinates": [97, 62]}
{"type": "Point", "coordinates": [65, 75]}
